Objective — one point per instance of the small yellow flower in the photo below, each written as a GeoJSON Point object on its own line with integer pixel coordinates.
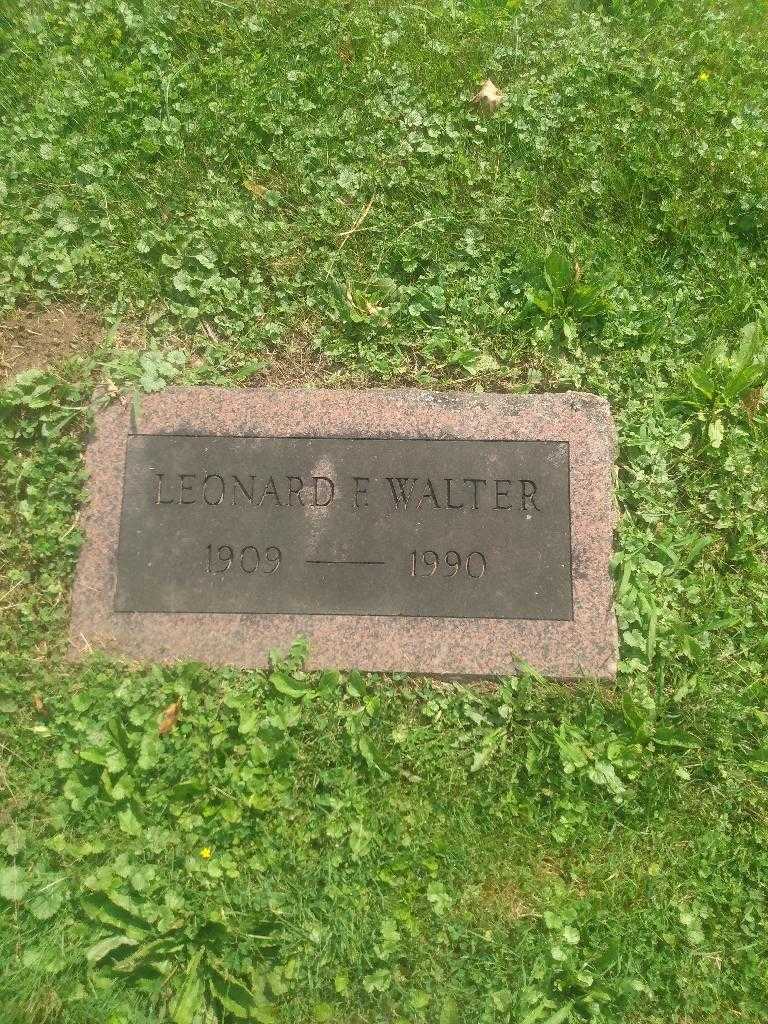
{"type": "Point", "coordinates": [703, 76]}
{"type": "Point", "coordinates": [205, 853]}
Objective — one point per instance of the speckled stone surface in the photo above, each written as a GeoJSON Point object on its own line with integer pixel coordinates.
{"type": "Point", "coordinates": [586, 646]}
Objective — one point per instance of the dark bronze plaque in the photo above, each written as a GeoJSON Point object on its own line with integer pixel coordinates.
{"type": "Point", "coordinates": [351, 526]}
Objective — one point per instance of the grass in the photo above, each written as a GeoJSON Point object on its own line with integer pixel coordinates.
{"type": "Point", "coordinates": [261, 192]}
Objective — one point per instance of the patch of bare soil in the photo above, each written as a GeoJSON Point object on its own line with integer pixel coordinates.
{"type": "Point", "coordinates": [34, 339]}
{"type": "Point", "coordinates": [504, 900]}
{"type": "Point", "coordinates": [298, 364]}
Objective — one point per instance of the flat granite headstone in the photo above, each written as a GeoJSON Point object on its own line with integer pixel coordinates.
{"type": "Point", "coordinates": [400, 531]}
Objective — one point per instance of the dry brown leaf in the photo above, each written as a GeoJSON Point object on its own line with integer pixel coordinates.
{"type": "Point", "coordinates": [40, 707]}
{"type": "Point", "coordinates": [488, 96]}
{"type": "Point", "coordinates": [170, 718]}
{"type": "Point", "coordinates": [752, 400]}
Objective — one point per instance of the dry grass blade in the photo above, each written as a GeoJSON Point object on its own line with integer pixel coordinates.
{"type": "Point", "coordinates": [344, 235]}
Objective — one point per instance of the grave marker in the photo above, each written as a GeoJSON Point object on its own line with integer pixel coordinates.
{"type": "Point", "coordinates": [399, 530]}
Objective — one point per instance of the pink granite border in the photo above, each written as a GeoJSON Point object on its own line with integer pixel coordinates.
{"type": "Point", "coordinates": [587, 646]}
